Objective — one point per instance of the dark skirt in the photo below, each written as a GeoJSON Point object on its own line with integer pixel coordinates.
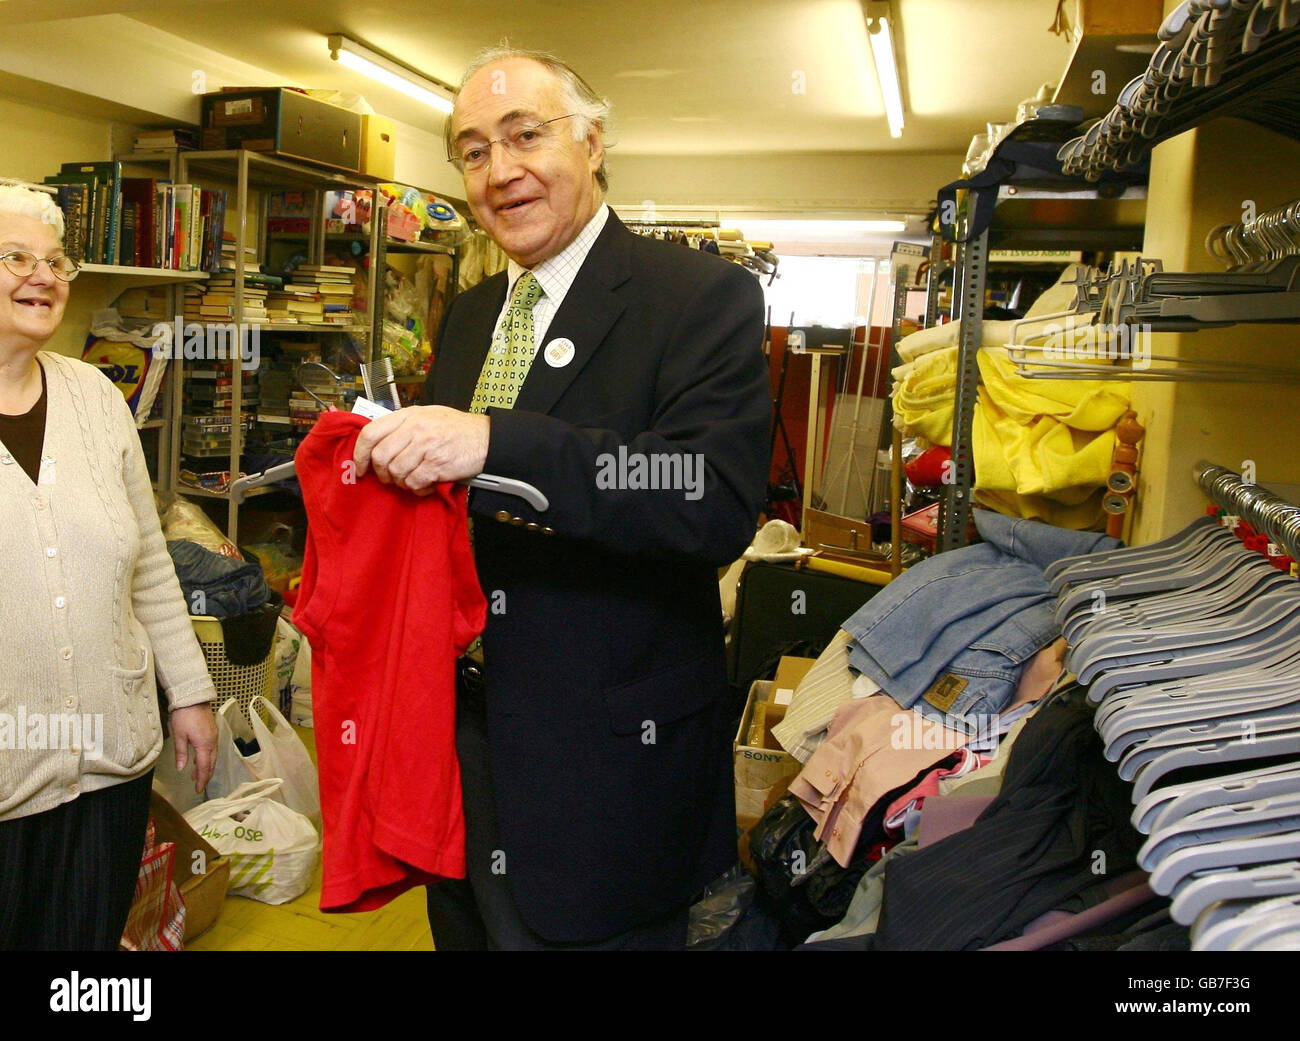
{"type": "Point", "coordinates": [67, 875]}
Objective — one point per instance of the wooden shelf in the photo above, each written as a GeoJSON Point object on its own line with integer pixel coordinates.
{"type": "Point", "coordinates": [160, 275]}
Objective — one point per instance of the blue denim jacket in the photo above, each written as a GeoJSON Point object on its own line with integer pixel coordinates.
{"type": "Point", "coordinates": [950, 636]}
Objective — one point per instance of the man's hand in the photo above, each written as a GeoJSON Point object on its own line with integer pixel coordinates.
{"type": "Point", "coordinates": [195, 728]}
{"type": "Point", "coordinates": [418, 447]}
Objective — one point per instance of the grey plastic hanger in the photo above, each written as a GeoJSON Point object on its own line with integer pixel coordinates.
{"type": "Point", "coordinates": [1130, 705]}
{"type": "Point", "coordinates": [1086, 567]}
{"type": "Point", "coordinates": [1249, 728]}
{"type": "Point", "coordinates": [1216, 824]}
{"type": "Point", "coordinates": [1149, 808]}
{"type": "Point", "coordinates": [1250, 575]}
{"type": "Point", "coordinates": [1185, 863]}
{"type": "Point", "coordinates": [1214, 753]}
{"type": "Point", "coordinates": [1142, 670]}
{"type": "Point", "coordinates": [1209, 902]}
{"type": "Point", "coordinates": [1203, 557]}
{"type": "Point", "coordinates": [1126, 731]}
{"type": "Point", "coordinates": [1272, 925]}
{"type": "Point", "coordinates": [1257, 615]}
{"type": "Point", "coordinates": [1222, 792]}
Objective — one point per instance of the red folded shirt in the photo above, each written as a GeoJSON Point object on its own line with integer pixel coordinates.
{"type": "Point", "coordinates": [389, 598]}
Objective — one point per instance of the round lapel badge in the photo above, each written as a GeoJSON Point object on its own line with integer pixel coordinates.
{"type": "Point", "coordinates": [559, 353]}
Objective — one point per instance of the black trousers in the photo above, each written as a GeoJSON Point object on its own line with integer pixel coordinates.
{"type": "Point", "coordinates": [478, 912]}
{"type": "Point", "coordinates": [67, 875]}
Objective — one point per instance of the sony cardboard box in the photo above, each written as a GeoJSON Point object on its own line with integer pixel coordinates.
{"type": "Point", "coordinates": [761, 764]}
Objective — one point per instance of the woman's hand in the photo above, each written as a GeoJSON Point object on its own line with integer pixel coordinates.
{"type": "Point", "coordinates": [195, 728]}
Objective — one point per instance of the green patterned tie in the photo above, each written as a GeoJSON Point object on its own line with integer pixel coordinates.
{"type": "Point", "coordinates": [511, 354]}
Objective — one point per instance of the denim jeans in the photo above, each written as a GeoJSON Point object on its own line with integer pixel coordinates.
{"type": "Point", "coordinates": [950, 636]}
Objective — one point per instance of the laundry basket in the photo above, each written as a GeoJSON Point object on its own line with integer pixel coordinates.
{"type": "Point", "coordinates": [243, 683]}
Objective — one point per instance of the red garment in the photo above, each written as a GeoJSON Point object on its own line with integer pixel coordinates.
{"type": "Point", "coordinates": [389, 598]}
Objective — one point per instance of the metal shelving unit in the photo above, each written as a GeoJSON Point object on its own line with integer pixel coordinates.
{"type": "Point", "coordinates": [1044, 213]}
{"type": "Point", "coordinates": [253, 173]}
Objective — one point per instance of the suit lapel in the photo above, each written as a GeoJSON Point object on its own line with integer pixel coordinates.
{"type": "Point", "coordinates": [459, 367]}
{"type": "Point", "coordinates": [589, 311]}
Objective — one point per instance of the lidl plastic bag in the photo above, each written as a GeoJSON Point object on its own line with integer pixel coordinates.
{"type": "Point", "coordinates": [283, 755]}
{"type": "Point", "coordinates": [272, 849]}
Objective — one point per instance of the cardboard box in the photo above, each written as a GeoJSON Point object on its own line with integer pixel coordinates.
{"type": "Point", "coordinates": [758, 769]}
{"type": "Point", "coordinates": [285, 123]}
{"type": "Point", "coordinates": [203, 891]}
{"type": "Point", "coordinates": [378, 147]}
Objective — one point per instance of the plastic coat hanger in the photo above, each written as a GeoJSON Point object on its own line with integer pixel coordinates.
{"type": "Point", "coordinates": [1215, 753]}
{"type": "Point", "coordinates": [1259, 614]}
{"type": "Point", "coordinates": [1128, 730]}
{"type": "Point", "coordinates": [1210, 596]}
{"type": "Point", "coordinates": [1206, 559]}
{"type": "Point", "coordinates": [1284, 780]}
{"type": "Point", "coordinates": [1245, 728]}
{"type": "Point", "coordinates": [1278, 929]}
{"type": "Point", "coordinates": [1216, 824]}
{"type": "Point", "coordinates": [1152, 805]}
{"type": "Point", "coordinates": [1214, 903]}
{"type": "Point", "coordinates": [1259, 648]}
{"type": "Point", "coordinates": [1070, 570]}
{"type": "Point", "coordinates": [1184, 863]}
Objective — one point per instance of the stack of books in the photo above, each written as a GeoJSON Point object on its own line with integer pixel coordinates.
{"type": "Point", "coordinates": [166, 140]}
{"type": "Point", "coordinates": [215, 302]}
{"type": "Point", "coordinates": [332, 285]}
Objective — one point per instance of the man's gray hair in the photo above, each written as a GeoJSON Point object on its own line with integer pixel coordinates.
{"type": "Point", "coordinates": [591, 111]}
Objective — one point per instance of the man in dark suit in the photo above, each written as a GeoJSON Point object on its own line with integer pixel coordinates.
{"type": "Point", "coordinates": [595, 737]}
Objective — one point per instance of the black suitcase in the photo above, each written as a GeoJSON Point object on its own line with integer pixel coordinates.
{"type": "Point", "coordinates": [779, 607]}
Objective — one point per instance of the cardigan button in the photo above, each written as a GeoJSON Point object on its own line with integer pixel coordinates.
{"type": "Point", "coordinates": [548, 530]}
{"type": "Point", "coordinates": [530, 526]}
{"type": "Point", "coordinates": [517, 521]}
{"type": "Point", "coordinates": [501, 515]}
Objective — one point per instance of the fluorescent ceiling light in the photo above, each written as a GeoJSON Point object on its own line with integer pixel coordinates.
{"type": "Point", "coordinates": [360, 59]}
{"type": "Point", "coordinates": [881, 36]}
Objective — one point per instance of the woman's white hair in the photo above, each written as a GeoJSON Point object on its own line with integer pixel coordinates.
{"type": "Point", "coordinates": [590, 109]}
{"type": "Point", "coordinates": [28, 202]}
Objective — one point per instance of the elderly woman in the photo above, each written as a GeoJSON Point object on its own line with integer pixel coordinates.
{"type": "Point", "coordinates": [89, 610]}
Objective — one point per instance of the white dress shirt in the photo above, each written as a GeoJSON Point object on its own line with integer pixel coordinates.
{"type": "Point", "coordinates": [555, 275]}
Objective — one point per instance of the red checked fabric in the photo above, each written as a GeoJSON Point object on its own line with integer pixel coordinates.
{"type": "Point", "coordinates": [389, 598]}
{"type": "Point", "coordinates": [157, 918]}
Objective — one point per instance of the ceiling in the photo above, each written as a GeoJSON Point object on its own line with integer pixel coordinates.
{"type": "Point", "coordinates": [684, 76]}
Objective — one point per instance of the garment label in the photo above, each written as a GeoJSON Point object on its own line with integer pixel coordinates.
{"type": "Point", "coordinates": [945, 691]}
{"type": "Point", "coordinates": [369, 409]}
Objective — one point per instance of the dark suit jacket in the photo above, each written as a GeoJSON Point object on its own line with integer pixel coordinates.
{"type": "Point", "coordinates": [608, 726]}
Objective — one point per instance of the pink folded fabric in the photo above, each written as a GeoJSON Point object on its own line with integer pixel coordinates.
{"type": "Point", "coordinates": [866, 755]}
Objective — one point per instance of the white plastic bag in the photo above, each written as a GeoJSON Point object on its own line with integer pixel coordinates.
{"type": "Point", "coordinates": [176, 787]}
{"type": "Point", "coordinates": [283, 755]}
{"type": "Point", "coordinates": [272, 849]}
{"type": "Point", "coordinates": [233, 768]}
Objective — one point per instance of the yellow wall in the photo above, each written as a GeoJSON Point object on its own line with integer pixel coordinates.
{"type": "Point", "coordinates": [1199, 180]}
{"type": "Point", "coordinates": [34, 141]}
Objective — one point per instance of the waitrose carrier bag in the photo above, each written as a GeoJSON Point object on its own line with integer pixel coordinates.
{"type": "Point", "coordinates": [272, 849]}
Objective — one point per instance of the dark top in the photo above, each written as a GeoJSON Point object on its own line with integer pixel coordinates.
{"type": "Point", "coordinates": [24, 435]}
